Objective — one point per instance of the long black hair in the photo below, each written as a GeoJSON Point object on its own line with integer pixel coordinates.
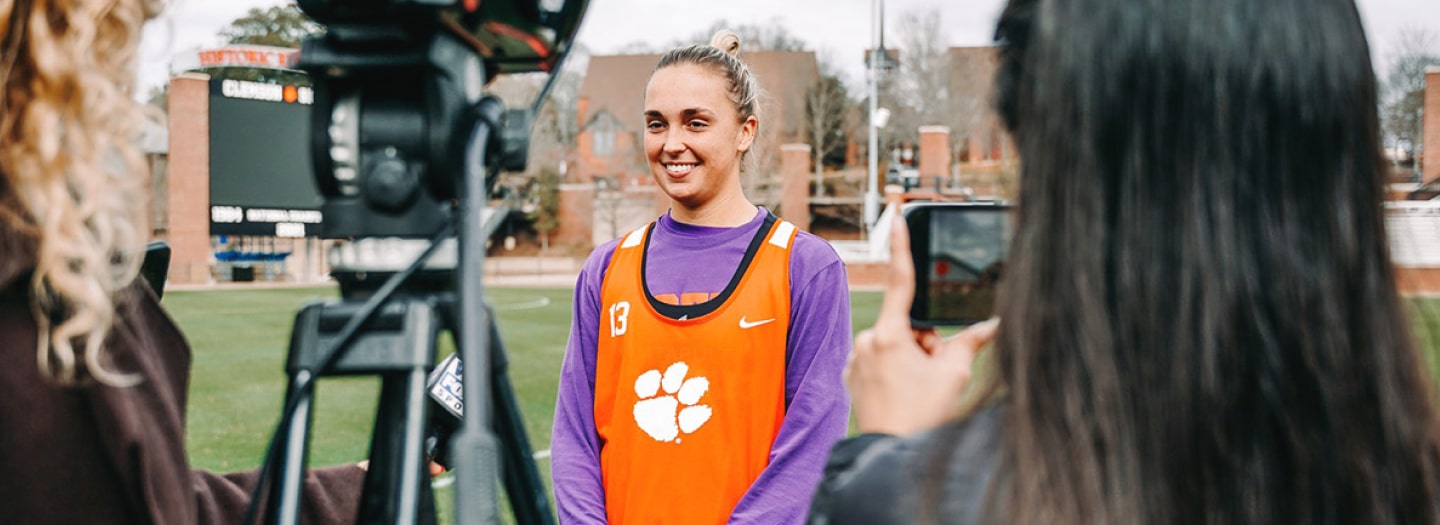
{"type": "Point", "coordinates": [1200, 321]}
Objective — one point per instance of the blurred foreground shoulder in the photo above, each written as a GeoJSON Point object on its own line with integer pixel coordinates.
{"type": "Point", "coordinates": [880, 479]}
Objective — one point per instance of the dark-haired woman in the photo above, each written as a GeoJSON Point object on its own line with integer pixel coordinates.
{"type": "Point", "coordinates": [1200, 322]}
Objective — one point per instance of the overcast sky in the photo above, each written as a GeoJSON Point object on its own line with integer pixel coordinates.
{"type": "Point", "coordinates": [840, 28]}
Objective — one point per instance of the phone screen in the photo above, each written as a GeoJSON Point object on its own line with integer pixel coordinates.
{"type": "Point", "coordinates": [959, 253]}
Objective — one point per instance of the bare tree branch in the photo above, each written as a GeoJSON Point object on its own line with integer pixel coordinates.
{"type": "Point", "coordinates": [925, 82]}
{"type": "Point", "coordinates": [827, 109]}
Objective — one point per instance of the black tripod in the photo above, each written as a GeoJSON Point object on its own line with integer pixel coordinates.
{"type": "Point", "coordinates": [399, 345]}
{"type": "Point", "coordinates": [405, 146]}
{"type": "Point", "coordinates": [392, 331]}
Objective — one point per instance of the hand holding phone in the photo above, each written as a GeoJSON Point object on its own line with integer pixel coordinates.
{"type": "Point", "coordinates": [902, 379]}
{"type": "Point", "coordinates": [959, 254]}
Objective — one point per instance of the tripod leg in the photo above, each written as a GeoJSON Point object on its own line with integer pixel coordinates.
{"type": "Point", "coordinates": [285, 495]}
{"type": "Point", "coordinates": [393, 487]}
{"type": "Point", "coordinates": [291, 477]}
{"type": "Point", "coordinates": [519, 472]}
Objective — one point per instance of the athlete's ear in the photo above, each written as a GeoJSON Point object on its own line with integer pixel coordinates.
{"type": "Point", "coordinates": [746, 137]}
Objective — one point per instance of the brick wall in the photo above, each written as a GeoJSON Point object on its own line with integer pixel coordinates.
{"type": "Point", "coordinates": [934, 155]}
{"type": "Point", "coordinates": [577, 212]}
{"type": "Point", "coordinates": [188, 200]}
{"type": "Point", "coordinates": [1418, 281]}
{"type": "Point", "coordinates": [624, 162]}
{"type": "Point", "coordinates": [796, 174]}
{"type": "Point", "coordinates": [1431, 166]}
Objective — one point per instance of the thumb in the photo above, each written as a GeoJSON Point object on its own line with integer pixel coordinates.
{"type": "Point", "coordinates": [972, 339]}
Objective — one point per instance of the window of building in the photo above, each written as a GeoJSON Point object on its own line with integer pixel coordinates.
{"type": "Point", "coordinates": [603, 133]}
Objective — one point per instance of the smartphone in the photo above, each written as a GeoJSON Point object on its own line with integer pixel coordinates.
{"type": "Point", "coordinates": [155, 266]}
{"type": "Point", "coordinates": [959, 253]}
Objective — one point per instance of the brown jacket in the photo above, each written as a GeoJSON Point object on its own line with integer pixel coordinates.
{"type": "Point", "coordinates": [98, 454]}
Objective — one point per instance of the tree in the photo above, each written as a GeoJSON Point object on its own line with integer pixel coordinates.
{"type": "Point", "coordinates": [638, 47]}
{"type": "Point", "coordinates": [158, 97]}
{"type": "Point", "coordinates": [557, 126]}
{"type": "Point", "coordinates": [924, 84]}
{"type": "Point", "coordinates": [278, 26]}
{"type": "Point", "coordinates": [770, 36]}
{"type": "Point", "coordinates": [827, 109]}
{"type": "Point", "coordinates": [545, 205]}
{"type": "Point", "coordinates": [1403, 105]}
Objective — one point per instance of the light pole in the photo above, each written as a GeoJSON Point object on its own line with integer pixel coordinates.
{"type": "Point", "coordinates": [872, 194]}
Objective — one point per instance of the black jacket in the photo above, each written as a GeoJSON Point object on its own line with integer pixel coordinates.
{"type": "Point", "coordinates": [878, 479]}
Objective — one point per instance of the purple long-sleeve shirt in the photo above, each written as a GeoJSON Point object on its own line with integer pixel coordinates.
{"type": "Point", "coordinates": [684, 258]}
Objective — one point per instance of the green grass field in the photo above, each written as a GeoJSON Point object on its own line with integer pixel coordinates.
{"type": "Point", "coordinates": [240, 339]}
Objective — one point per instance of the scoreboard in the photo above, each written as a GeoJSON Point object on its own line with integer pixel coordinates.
{"type": "Point", "coordinates": [261, 181]}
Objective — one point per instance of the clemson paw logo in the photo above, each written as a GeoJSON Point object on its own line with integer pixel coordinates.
{"type": "Point", "coordinates": [664, 415]}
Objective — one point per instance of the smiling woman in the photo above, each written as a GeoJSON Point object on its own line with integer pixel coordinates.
{"type": "Point", "coordinates": [700, 121]}
{"type": "Point", "coordinates": [701, 382]}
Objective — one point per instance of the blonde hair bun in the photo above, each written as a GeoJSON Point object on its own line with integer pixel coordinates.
{"type": "Point", "coordinates": [727, 41]}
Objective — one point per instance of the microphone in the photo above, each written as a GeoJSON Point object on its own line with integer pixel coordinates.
{"type": "Point", "coordinates": [445, 389]}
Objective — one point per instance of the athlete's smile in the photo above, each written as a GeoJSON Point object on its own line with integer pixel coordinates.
{"type": "Point", "coordinates": [679, 169]}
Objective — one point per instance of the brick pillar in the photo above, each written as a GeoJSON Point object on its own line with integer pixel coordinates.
{"type": "Point", "coordinates": [934, 156]}
{"type": "Point", "coordinates": [1431, 166]}
{"type": "Point", "coordinates": [795, 177]}
{"type": "Point", "coordinates": [188, 199]}
{"type": "Point", "coordinates": [975, 145]}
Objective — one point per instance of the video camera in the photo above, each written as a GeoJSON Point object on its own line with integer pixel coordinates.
{"type": "Point", "coordinates": [398, 86]}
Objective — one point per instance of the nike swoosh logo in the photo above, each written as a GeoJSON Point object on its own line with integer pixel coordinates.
{"type": "Point", "coordinates": [744, 324]}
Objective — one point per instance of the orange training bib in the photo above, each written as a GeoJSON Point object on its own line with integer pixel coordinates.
{"type": "Point", "coordinates": [687, 409]}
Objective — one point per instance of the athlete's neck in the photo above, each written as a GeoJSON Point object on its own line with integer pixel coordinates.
{"type": "Point", "coordinates": [725, 211]}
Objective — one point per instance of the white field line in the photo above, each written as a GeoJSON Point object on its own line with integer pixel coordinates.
{"type": "Point", "coordinates": [446, 480]}
{"type": "Point", "coordinates": [527, 305]}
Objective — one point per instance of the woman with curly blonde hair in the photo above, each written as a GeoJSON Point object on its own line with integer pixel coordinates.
{"type": "Point", "coordinates": [94, 372]}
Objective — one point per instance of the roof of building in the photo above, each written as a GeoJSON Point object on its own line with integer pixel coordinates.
{"type": "Point", "coordinates": [616, 84]}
